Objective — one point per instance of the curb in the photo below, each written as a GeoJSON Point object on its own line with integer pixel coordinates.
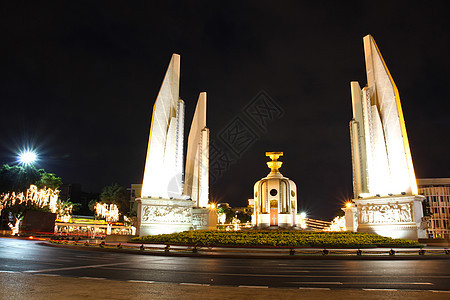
{"type": "Point", "coordinates": [249, 256]}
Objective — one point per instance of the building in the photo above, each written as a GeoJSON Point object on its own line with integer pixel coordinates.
{"type": "Point", "coordinates": [386, 200]}
{"type": "Point", "coordinates": [437, 192]}
{"type": "Point", "coordinates": [135, 193]}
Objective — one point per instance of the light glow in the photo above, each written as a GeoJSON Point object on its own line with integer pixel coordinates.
{"type": "Point", "coordinates": [338, 224]}
{"type": "Point", "coordinates": [108, 211]}
{"type": "Point", "coordinates": [27, 157]}
{"type": "Point", "coordinates": [15, 228]}
{"type": "Point", "coordinates": [44, 197]}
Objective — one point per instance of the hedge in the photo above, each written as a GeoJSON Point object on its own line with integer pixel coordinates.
{"type": "Point", "coordinates": [276, 238]}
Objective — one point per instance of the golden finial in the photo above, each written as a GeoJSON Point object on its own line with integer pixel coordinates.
{"type": "Point", "coordinates": [274, 165]}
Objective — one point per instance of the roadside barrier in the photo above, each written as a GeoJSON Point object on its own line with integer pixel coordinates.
{"type": "Point", "coordinates": [168, 248]}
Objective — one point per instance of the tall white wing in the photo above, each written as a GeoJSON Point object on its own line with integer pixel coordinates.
{"type": "Point", "coordinates": [163, 166]}
{"type": "Point", "coordinates": [383, 164]}
{"type": "Point", "coordinates": [197, 158]}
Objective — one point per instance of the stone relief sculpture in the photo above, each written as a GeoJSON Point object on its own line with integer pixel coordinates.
{"type": "Point", "coordinates": [385, 213]}
{"type": "Point", "coordinates": [166, 214]}
{"type": "Point", "coordinates": [199, 220]}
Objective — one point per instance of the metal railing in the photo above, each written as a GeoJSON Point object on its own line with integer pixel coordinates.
{"type": "Point", "coordinates": [169, 248]}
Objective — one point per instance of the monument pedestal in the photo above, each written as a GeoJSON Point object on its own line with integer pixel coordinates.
{"type": "Point", "coordinates": [159, 216]}
{"type": "Point", "coordinates": [204, 218]}
{"type": "Point", "coordinates": [393, 216]}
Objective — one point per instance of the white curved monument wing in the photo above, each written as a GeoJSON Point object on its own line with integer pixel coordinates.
{"type": "Point", "coordinates": [382, 162]}
{"type": "Point", "coordinates": [164, 163]}
{"type": "Point", "coordinates": [197, 158]}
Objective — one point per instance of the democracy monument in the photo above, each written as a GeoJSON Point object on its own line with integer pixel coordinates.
{"type": "Point", "coordinates": [386, 200]}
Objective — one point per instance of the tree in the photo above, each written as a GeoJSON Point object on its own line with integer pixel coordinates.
{"type": "Point", "coordinates": [116, 194]}
{"type": "Point", "coordinates": [19, 178]}
{"type": "Point", "coordinates": [49, 180]}
{"type": "Point", "coordinates": [15, 181]}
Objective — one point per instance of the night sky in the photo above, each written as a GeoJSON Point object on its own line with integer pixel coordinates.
{"type": "Point", "coordinates": [79, 80]}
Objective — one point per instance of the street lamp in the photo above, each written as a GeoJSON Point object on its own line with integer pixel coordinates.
{"type": "Point", "coordinates": [27, 157]}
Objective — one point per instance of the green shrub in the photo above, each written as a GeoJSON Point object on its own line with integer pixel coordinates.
{"type": "Point", "coordinates": [279, 238]}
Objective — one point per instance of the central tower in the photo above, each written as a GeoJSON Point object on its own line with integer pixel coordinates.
{"type": "Point", "coordinates": [275, 202]}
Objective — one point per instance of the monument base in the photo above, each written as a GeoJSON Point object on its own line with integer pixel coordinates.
{"type": "Point", "coordinates": [281, 220]}
{"type": "Point", "coordinates": [204, 218]}
{"type": "Point", "coordinates": [393, 216]}
{"type": "Point", "coordinates": [160, 216]}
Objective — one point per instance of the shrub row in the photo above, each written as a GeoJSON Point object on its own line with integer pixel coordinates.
{"type": "Point", "coordinates": [279, 238]}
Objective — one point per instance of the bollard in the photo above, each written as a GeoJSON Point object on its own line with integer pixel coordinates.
{"type": "Point", "coordinates": [141, 247]}
{"type": "Point", "coordinates": [391, 252]}
{"type": "Point", "coordinates": [167, 248]}
{"type": "Point", "coordinates": [359, 252]}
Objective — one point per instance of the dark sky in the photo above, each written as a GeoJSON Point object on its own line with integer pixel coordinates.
{"type": "Point", "coordinates": [79, 80]}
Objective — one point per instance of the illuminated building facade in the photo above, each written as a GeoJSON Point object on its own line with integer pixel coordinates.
{"type": "Point", "coordinates": [275, 198]}
{"type": "Point", "coordinates": [437, 192]}
{"type": "Point", "coordinates": [385, 188]}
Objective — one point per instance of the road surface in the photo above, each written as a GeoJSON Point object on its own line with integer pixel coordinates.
{"type": "Point", "coordinates": [19, 258]}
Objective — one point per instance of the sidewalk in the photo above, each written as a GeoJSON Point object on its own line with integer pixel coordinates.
{"type": "Point", "coordinates": [25, 286]}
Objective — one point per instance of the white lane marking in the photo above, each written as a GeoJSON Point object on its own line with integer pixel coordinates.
{"type": "Point", "coordinates": [314, 288]}
{"type": "Point", "coordinates": [73, 268]}
{"type": "Point", "coordinates": [393, 290]}
{"type": "Point", "coordinates": [194, 284]}
{"type": "Point", "coordinates": [64, 260]}
{"type": "Point", "coordinates": [49, 275]}
{"type": "Point", "coordinates": [407, 283]}
{"type": "Point", "coordinates": [436, 291]}
{"type": "Point", "coordinates": [5, 271]}
{"type": "Point", "coordinates": [141, 281]}
{"type": "Point", "coordinates": [319, 282]}
{"type": "Point", "coordinates": [254, 286]}
{"type": "Point", "coordinates": [95, 278]}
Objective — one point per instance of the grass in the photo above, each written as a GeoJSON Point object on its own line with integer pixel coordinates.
{"type": "Point", "coordinates": [279, 238]}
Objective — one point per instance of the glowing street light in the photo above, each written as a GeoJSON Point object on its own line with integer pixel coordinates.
{"type": "Point", "coordinates": [27, 157]}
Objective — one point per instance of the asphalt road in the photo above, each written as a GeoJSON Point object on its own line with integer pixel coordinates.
{"type": "Point", "coordinates": [31, 258]}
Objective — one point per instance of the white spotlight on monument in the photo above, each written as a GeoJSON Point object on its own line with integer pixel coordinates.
{"type": "Point", "coordinates": [385, 189]}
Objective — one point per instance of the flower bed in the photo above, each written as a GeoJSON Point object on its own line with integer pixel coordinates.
{"type": "Point", "coordinates": [278, 238]}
